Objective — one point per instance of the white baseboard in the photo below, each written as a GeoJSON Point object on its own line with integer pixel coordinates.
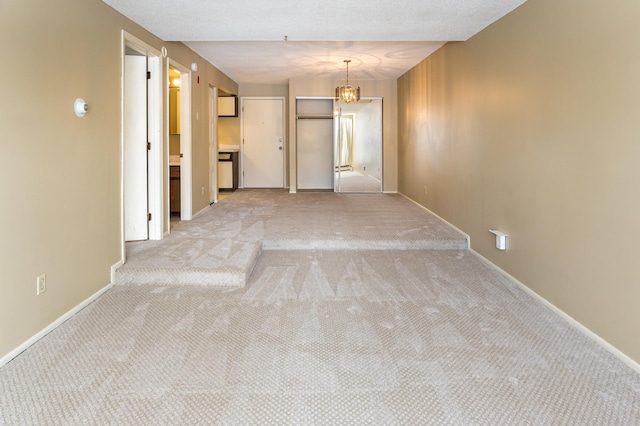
{"type": "Point", "coordinates": [201, 211]}
{"type": "Point", "coordinates": [575, 323]}
{"type": "Point", "coordinates": [445, 221]}
{"type": "Point", "coordinates": [48, 329]}
{"type": "Point", "coordinates": [292, 191]}
{"type": "Point", "coordinates": [113, 270]}
{"type": "Point", "coordinates": [392, 192]}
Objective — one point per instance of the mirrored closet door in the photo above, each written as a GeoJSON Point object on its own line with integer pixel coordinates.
{"type": "Point", "coordinates": [358, 146]}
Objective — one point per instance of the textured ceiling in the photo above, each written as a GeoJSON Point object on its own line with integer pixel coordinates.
{"type": "Point", "coordinates": [245, 38]}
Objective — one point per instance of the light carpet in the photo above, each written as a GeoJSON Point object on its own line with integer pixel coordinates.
{"type": "Point", "coordinates": [323, 337]}
{"type": "Point", "coordinates": [352, 181]}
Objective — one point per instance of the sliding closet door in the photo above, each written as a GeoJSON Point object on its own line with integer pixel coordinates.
{"type": "Point", "coordinates": [358, 147]}
{"type": "Point", "coordinates": [315, 143]}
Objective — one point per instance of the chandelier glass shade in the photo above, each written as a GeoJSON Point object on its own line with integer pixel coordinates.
{"type": "Point", "coordinates": [347, 93]}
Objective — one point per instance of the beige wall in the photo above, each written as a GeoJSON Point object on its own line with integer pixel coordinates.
{"type": "Point", "coordinates": [387, 89]}
{"type": "Point", "coordinates": [532, 127]}
{"type": "Point", "coordinates": [264, 90]}
{"type": "Point", "coordinates": [209, 77]}
{"type": "Point", "coordinates": [60, 176]}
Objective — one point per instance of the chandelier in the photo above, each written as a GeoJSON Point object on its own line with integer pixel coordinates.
{"type": "Point", "coordinates": [347, 93]}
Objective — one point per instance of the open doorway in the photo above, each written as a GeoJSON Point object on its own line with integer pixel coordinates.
{"type": "Point", "coordinates": [142, 147]}
{"type": "Point", "coordinates": [174, 144]}
{"type": "Point", "coordinates": [178, 86]}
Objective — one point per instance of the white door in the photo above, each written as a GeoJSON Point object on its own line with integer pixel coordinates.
{"type": "Point", "coordinates": [263, 147]}
{"type": "Point", "coordinates": [136, 224]}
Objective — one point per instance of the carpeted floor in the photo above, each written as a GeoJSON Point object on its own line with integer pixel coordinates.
{"type": "Point", "coordinates": [317, 336]}
{"type": "Point", "coordinates": [221, 245]}
{"type": "Point", "coordinates": [352, 181]}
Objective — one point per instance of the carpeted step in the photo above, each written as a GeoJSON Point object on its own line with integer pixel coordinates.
{"type": "Point", "coordinates": [221, 246]}
{"type": "Point", "coordinates": [209, 267]}
{"type": "Point", "coordinates": [362, 244]}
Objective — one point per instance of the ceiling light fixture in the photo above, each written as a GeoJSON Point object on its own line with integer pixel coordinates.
{"type": "Point", "coordinates": [347, 93]}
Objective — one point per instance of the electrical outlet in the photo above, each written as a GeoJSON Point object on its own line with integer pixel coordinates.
{"type": "Point", "coordinates": [203, 190]}
{"type": "Point", "coordinates": [425, 190]}
{"type": "Point", "coordinates": [41, 284]}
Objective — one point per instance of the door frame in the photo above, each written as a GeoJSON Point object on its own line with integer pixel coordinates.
{"type": "Point", "coordinates": [213, 144]}
{"type": "Point", "coordinates": [285, 145]}
{"type": "Point", "coordinates": [154, 135]}
{"type": "Point", "coordinates": [186, 183]}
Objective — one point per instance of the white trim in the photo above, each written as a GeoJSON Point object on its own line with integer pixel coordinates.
{"type": "Point", "coordinates": [562, 314]}
{"type": "Point", "coordinates": [48, 329]}
{"type": "Point", "coordinates": [392, 192]}
{"type": "Point", "coordinates": [213, 144]}
{"type": "Point", "coordinates": [445, 221]}
{"type": "Point", "coordinates": [114, 267]}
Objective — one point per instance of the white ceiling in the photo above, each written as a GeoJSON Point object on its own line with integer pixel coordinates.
{"type": "Point", "coordinates": [246, 38]}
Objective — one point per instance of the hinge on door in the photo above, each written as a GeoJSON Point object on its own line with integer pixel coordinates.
{"type": "Point", "coordinates": [149, 217]}
{"type": "Point", "coordinates": [148, 146]}
{"type": "Point", "coordinates": [148, 75]}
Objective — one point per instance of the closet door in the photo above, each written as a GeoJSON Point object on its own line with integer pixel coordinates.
{"type": "Point", "coordinates": [315, 143]}
{"type": "Point", "coordinates": [358, 152]}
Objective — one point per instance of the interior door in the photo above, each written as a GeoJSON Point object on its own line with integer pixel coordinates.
{"type": "Point", "coordinates": [136, 222]}
{"type": "Point", "coordinates": [263, 142]}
